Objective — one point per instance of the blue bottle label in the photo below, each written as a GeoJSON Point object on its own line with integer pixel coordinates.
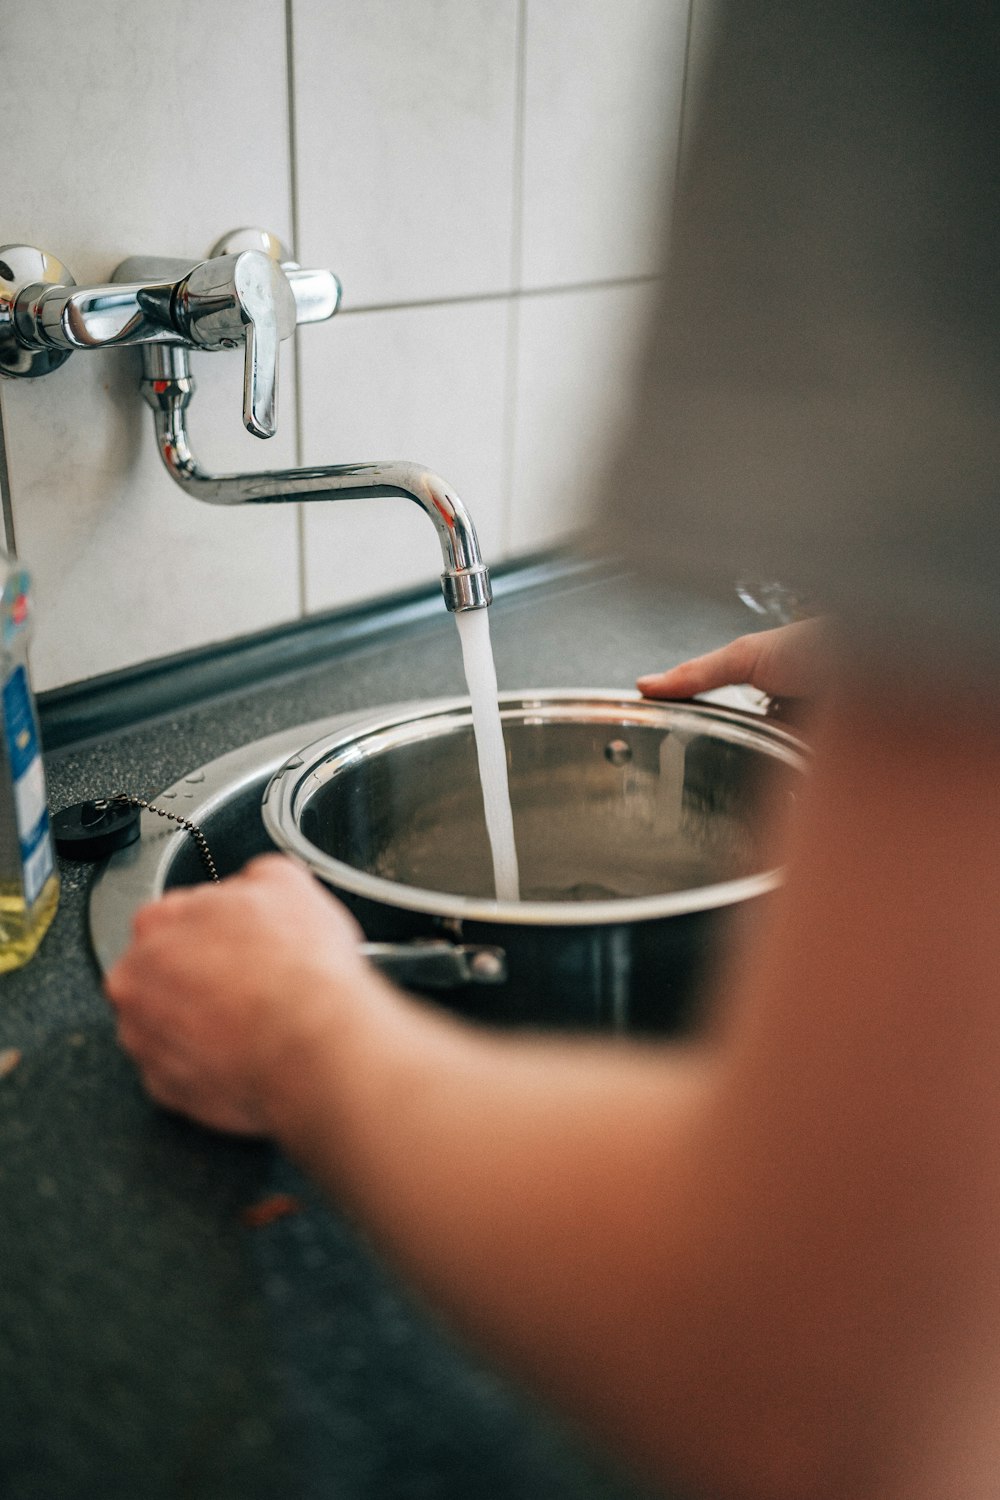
{"type": "Point", "coordinates": [31, 813]}
{"type": "Point", "coordinates": [15, 606]}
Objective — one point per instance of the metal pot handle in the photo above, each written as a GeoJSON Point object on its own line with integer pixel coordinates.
{"type": "Point", "coordinates": [436, 964]}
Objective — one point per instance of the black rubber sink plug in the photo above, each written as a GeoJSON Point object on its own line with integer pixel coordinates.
{"type": "Point", "coordinates": [93, 830]}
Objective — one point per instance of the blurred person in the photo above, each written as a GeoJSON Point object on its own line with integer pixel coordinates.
{"type": "Point", "coordinates": [764, 1262]}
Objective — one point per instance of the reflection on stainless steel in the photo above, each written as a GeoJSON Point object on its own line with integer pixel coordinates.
{"type": "Point", "coordinates": [392, 810]}
{"type": "Point", "coordinates": [776, 602]}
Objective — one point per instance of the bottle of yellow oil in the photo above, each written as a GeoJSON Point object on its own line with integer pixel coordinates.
{"type": "Point", "coordinates": [29, 883]}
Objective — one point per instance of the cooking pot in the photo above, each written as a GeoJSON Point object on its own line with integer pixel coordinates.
{"type": "Point", "coordinates": [640, 829]}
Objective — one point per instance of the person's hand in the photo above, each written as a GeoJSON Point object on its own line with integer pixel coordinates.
{"type": "Point", "coordinates": [789, 662]}
{"type": "Point", "coordinates": [224, 984]}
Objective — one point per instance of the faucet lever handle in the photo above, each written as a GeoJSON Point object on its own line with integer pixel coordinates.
{"type": "Point", "coordinates": [260, 376]}
{"type": "Point", "coordinates": [234, 298]}
{"type": "Point", "coordinates": [268, 307]}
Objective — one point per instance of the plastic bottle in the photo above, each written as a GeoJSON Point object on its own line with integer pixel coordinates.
{"type": "Point", "coordinates": [29, 882]}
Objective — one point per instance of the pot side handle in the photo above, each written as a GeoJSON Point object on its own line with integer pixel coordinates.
{"type": "Point", "coordinates": [437, 964]}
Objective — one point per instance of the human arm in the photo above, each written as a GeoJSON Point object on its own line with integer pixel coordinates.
{"type": "Point", "coordinates": [763, 1262]}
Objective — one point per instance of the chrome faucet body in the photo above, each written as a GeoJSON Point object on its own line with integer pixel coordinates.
{"type": "Point", "coordinates": [242, 294]}
{"type": "Point", "coordinates": [248, 291]}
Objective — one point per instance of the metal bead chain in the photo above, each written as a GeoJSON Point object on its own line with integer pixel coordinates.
{"type": "Point", "coordinates": [201, 843]}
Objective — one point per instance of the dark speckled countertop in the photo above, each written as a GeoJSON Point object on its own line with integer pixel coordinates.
{"type": "Point", "coordinates": [153, 1343]}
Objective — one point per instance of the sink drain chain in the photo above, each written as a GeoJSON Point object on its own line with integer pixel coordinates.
{"type": "Point", "coordinates": [95, 829]}
{"type": "Point", "coordinates": [201, 843]}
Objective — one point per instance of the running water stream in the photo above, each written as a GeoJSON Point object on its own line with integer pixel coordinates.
{"type": "Point", "coordinates": [481, 677]}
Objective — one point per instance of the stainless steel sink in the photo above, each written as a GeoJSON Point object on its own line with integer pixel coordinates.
{"type": "Point", "coordinates": [223, 798]}
{"type": "Point", "coordinates": [626, 769]}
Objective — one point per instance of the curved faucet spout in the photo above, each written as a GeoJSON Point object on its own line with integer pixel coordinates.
{"type": "Point", "coordinates": [167, 387]}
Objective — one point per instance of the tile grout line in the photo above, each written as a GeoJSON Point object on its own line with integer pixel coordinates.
{"type": "Point", "coordinates": [293, 190]}
{"type": "Point", "coordinates": [555, 289]}
{"type": "Point", "coordinates": [512, 352]}
{"type": "Point", "coordinates": [512, 360]}
{"type": "Point", "coordinates": [520, 111]}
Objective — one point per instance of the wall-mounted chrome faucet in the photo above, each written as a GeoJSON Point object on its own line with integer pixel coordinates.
{"type": "Point", "coordinates": [248, 291]}
{"type": "Point", "coordinates": [242, 294]}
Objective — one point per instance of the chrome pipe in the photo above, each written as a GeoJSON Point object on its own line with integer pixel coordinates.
{"type": "Point", "coordinates": [167, 387]}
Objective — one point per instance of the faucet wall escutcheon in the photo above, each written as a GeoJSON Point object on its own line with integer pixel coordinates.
{"type": "Point", "coordinates": [23, 267]}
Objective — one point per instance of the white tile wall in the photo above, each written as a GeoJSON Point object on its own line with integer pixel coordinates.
{"type": "Point", "coordinates": [405, 114]}
{"type": "Point", "coordinates": [448, 159]}
{"type": "Point", "coordinates": [138, 145]}
{"type": "Point", "coordinates": [603, 93]}
{"type": "Point", "coordinates": [577, 352]}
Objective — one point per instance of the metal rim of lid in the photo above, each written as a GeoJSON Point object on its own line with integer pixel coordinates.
{"type": "Point", "coordinates": [281, 807]}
